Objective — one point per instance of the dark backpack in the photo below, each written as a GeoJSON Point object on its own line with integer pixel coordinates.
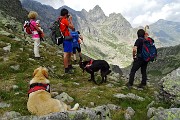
{"type": "Point", "coordinates": [149, 51]}
{"type": "Point", "coordinates": [56, 35]}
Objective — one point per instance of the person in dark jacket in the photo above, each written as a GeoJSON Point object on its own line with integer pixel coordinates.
{"type": "Point", "coordinates": [138, 61]}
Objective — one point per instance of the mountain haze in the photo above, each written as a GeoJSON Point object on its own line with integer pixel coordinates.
{"type": "Point", "coordinates": [167, 32]}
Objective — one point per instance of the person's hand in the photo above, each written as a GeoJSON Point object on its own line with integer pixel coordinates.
{"type": "Point", "coordinates": [70, 17]}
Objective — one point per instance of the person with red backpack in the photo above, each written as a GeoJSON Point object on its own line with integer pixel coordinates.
{"type": "Point", "coordinates": [142, 54]}
{"type": "Point", "coordinates": [36, 32]}
{"type": "Point", "coordinates": [65, 24]}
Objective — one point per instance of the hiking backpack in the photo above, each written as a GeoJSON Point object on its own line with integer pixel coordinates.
{"type": "Point", "coordinates": [149, 51]}
{"type": "Point", "coordinates": [75, 38]}
{"type": "Point", "coordinates": [56, 35]}
{"type": "Point", "coordinates": [26, 27]}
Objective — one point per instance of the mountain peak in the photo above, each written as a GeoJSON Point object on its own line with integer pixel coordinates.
{"type": "Point", "coordinates": [97, 7]}
{"type": "Point", "coordinates": [96, 14]}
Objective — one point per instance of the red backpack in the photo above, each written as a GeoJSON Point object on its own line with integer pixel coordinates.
{"type": "Point", "coordinates": [26, 27]}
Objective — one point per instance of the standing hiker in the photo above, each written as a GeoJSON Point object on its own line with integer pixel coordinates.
{"type": "Point", "coordinates": [138, 61]}
{"type": "Point", "coordinates": [65, 23]}
{"type": "Point", "coordinates": [36, 32]}
{"type": "Point", "coordinates": [76, 44]}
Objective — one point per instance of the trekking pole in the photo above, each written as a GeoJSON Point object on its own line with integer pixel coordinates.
{"type": "Point", "coordinates": [146, 27]}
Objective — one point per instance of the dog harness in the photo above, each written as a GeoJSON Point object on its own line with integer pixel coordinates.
{"type": "Point", "coordinates": [89, 64]}
{"type": "Point", "coordinates": [38, 86]}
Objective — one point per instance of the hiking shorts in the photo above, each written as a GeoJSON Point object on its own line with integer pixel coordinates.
{"type": "Point", "coordinates": [76, 48]}
{"type": "Point", "coordinates": [67, 45]}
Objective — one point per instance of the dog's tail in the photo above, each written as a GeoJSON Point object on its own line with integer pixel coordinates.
{"type": "Point", "coordinates": [76, 107]}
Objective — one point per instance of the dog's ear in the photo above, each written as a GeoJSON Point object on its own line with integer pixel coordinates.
{"type": "Point", "coordinates": [35, 72]}
{"type": "Point", "coordinates": [45, 72]}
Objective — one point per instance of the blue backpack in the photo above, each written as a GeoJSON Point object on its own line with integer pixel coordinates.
{"type": "Point", "coordinates": [75, 37]}
{"type": "Point", "coordinates": [149, 51]}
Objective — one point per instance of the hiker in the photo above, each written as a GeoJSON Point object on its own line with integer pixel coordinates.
{"type": "Point", "coordinates": [80, 41]}
{"type": "Point", "coordinates": [138, 61]}
{"type": "Point", "coordinates": [65, 23]}
{"type": "Point", "coordinates": [35, 32]}
{"type": "Point", "coordinates": [76, 44]}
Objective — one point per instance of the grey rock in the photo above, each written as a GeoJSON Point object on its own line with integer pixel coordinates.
{"type": "Point", "coordinates": [130, 111]}
{"type": "Point", "coordinates": [129, 96]}
{"type": "Point", "coordinates": [4, 105]}
{"type": "Point", "coordinates": [150, 112]}
{"type": "Point", "coordinates": [127, 116]}
{"type": "Point", "coordinates": [11, 115]}
{"type": "Point", "coordinates": [21, 49]}
{"type": "Point", "coordinates": [7, 48]}
{"type": "Point", "coordinates": [110, 85]}
{"type": "Point", "coordinates": [5, 58]}
{"type": "Point", "coordinates": [166, 114]}
{"type": "Point", "coordinates": [15, 87]}
{"type": "Point", "coordinates": [15, 67]}
{"type": "Point", "coordinates": [97, 113]}
{"type": "Point", "coordinates": [150, 104]}
{"type": "Point", "coordinates": [113, 107]}
{"type": "Point", "coordinates": [92, 103]}
{"type": "Point", "coordinates": [170, 87]}
{"type": "Point", "coordinates": [64, 97]}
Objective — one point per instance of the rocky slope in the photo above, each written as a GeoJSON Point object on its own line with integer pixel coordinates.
{"type": "Point", "coordinates": [14, 9]}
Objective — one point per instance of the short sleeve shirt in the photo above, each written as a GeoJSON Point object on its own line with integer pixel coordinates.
{"type": "Point", "coordinates": [139, 44]}
{"type": "Point", "coordinates": [64, 27]}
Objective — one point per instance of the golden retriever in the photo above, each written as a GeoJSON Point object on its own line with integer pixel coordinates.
{"type": "Point", "coordinates": [40, 101]}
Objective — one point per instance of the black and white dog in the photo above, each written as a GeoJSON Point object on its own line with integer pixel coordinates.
{"type": "Point", "coordinates": [92, 66]}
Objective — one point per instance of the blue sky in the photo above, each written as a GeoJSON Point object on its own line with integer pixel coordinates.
{"type": "Point", "coordinates": [137, 12]}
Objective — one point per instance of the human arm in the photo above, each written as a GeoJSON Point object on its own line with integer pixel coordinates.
{"type": "Point", "coordinates": [134, 52]}
{"type": "Point", "coordinates": [71, 26]}
{"type": "Point", "coordinates": [81, 37]}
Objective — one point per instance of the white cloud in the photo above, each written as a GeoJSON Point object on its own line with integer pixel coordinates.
{"type": "Point", "coordinates": [54, 3]}
{"type": "Point", "coordinates": [137, 12]}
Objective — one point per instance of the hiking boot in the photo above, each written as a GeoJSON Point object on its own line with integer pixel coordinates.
{"type": "Point", "coordinates": [141, 86]}
{"type": "Point", "coordinates": [71, 67]}
{"type": "Point", "coordinates": [68, 71]}
{"type": "Point", "coordinates": [80, 59]}
{"type": "Point", "coordinates": [38, 58]}
{"type": "Point", "coordinates": [128, 85]}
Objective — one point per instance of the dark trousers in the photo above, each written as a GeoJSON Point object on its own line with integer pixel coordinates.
{"type": "Point", "coordinates": [138, 63]}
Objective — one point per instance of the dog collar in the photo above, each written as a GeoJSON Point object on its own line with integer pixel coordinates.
{"type": "Point", "coordinates": [38, 86]}
{"type": "Point", "coordinates": [89, 64]}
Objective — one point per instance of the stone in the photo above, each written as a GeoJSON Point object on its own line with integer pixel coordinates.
{"type": "Point", "coordinates": [127, 116]}
{"type": "Point", "coordinates": [150, 112]}
{"type": "Point", "coordinates": [130, 111]}
{"type": "Point", "coordinates": [110, 85]}
{"type": "Point", "coordinates": [11, 115]}
{"type": "Point", "coordinates": [7, 48]}
{"type": "Point", "coordinates": [113, 107]}
{"type": "Point", "coordinates": [129, 96]}
{"type": "Point", "coordinates": [15, 67]}
{"type": "Point", "coordinates": [150, 104]}
{"type": "Point", "coordinates": [97, 113]}
{"type": "Point", "coordinates": [4, 105]}
{"type": "Point", "coordinates": [92, 103]}
{"type": "Point", "coordinates": [64, 97]}
{"type": "Point", "coordinates": [15, 87]}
